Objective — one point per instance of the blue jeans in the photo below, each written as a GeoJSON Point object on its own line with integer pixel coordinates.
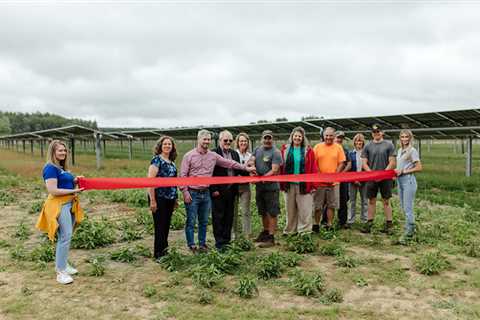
{"type": "Point", "coordinates": [199, 209]}
{"type": "Point", "coordinates": [407, 187]}
{"type": "Point", "coordinates": [66, 221]}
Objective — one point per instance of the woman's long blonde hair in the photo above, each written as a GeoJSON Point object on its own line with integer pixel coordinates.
{"type": "Point", "coordinates": [52, 147]}
{"type": "Point", "coordinates": [410, 134]}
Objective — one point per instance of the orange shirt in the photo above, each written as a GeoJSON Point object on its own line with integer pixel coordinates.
{"type": "Point", "coordinates": [328, 157]}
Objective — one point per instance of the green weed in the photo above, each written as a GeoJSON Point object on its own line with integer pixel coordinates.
{"type": "Point", "coordinates": [301, 243]}
{"type": "Point", "coordinates": [431, 263]}
{"type": "Point", "coordinates": [270, 266]}
{"type": "Point", "coordinates": [307, 285]}
{"type": "Point", "coordinates": [22, 232]}
{"type": "Point", "coordinates": [206, 297]}
{"type": "Point", "coordinates": [173, 260]}
{"type": "Point", "coordinates": [206, 276]}
{"type": "Point", "coordinates": [93, 234]}
{"type": "Point", "coordinates": [333, 295]}
{"type": "Point", "coordinates": [332, 249]}
{"type": "Point", "coordinates": [129, 232]}
{"type": "Point", "coordinates": [347, 261]}
{"type": "Point", "coordinates": [18, 253]}
{"type": "Point", "coordinates": [246, 288]}
{"type": "Point", "coordinates": [36, 207]}
{"type": "Point", "coordinates": [292, 259]}
{"type": "Point", "coordinates": [126, 255]}
{"type": "Point", "coordinates": [97, 266]}
{"type": "Point", "coordinates": [6, 198]}
{"type": "Point", "coordinates": [149, 291]}
{"type": "Point", "coordinates": [44, 252]}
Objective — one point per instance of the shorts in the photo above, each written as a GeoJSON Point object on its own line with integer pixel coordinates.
{"type": "Point", "coordinates": [268, 202]}
{"type": "Point", "coordinates": [384, 186]}
{"type": "Point", "coordinates": [327, 196]}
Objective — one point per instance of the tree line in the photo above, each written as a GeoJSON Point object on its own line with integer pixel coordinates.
{"type": "Point", "coordinates": [18, 122]}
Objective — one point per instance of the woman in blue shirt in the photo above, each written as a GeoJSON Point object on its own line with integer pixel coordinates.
{"type": "Point", "coordinates": [162, 200]}
{"type": "Point", "coordinates": [62, 189]}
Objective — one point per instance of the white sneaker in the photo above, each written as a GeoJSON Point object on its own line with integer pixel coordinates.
{"type": "Point", "coordinates": [70, 270]}
{"type": "Point", "coordinates": [64, 278]}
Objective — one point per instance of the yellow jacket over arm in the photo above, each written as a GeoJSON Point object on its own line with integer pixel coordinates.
{"type": "Point", "coordinates": [47, 221]}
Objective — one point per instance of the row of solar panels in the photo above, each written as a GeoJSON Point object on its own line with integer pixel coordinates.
{"type": "Point", "coordinates": [433, 125]}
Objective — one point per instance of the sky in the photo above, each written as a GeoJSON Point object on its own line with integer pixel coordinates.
{"type": "Point", "coordinates": [147, 64]}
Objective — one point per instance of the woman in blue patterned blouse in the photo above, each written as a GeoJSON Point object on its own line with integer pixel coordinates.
{"type": "Point", "coordinates": [162, 200]}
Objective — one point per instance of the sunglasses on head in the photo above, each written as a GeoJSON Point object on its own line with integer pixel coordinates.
{"type": "Point", "coordinates": [227, 140]}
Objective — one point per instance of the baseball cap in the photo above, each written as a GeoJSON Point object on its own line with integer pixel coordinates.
{"type": "Point", "coordinates": [376, 127]}
{"type": "Point", "coordinates": [340, 134]}
{"type": "Point", "coordinates": [267, 133]}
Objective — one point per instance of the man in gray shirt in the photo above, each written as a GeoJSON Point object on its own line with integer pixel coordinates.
{"type": "Point", "coordinates": [267, 163]}
{"type": "Point", "coordinates": [379, 154]}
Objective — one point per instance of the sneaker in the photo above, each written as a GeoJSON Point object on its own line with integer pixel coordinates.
{"type": "Point", "coordinates": [203, 249]}
{"type": "Point", "coordinates": [316, 228]}
{"type": "Point", "coordinates": [261, 237]}
{"type": "Point", "coordinates": [193, 249]}
{"type": "Point", "coordinates": [269, 242]}
{"type": "Point", "coordinates": [71, 270]}
{"type": "Point", "coordinates": [64, 278]}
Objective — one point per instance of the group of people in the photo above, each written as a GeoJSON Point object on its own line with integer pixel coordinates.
{"type": "Point", "coordinates": [308, 205]}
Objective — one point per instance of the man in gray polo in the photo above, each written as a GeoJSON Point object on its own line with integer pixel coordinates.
{"type": "Point", "coordinates": [267, 160]}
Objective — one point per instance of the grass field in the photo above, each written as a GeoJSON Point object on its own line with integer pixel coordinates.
{"type": "Point", "coordinates": [335, 275]}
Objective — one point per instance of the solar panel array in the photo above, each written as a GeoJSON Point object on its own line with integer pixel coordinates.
{"type": "Point", "coordinates": [434, 125]}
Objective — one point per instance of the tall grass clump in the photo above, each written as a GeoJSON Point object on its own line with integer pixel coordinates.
{"type": "Point", "coordinates": [301, 243]}
{"type": "Point", "coordinates": [431, 263]}
{"type": "Point", "coordinates": [93, 234]}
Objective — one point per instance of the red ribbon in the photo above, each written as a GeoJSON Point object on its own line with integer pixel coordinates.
{"type": "Point", "coordinates": [129, 183]}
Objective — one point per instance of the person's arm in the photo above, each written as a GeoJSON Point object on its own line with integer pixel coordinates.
{"type": "Point", "coordinates": [152, 172]}
{"type": "Point", "coordinates": [417, 168]}
{"type": "Point", "coordinates": [51, 184]}
{"type": "Point", "coordinates": [230, 164]}
{"type": "Point", "coordinates": [365, 166]}
{"type": "Point", "coordinates": [392, 162]}
{"type": "Point", "coordinates": [184, 171]}
{"type": "Point", "coordinates": [348, 166]}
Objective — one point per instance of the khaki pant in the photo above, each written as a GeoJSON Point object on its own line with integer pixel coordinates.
{"type": "Point", "coordinates": [242, 206]}
{"type": "Point", "coordinates": [299, 210]}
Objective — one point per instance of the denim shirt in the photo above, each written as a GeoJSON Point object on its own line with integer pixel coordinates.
{"type": "Point", "coordinates": [165, 169]}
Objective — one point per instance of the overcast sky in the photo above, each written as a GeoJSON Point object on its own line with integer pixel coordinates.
{"type": "Point", "coordinates": [164, 65]}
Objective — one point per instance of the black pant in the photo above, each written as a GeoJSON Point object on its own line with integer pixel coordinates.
{"type": "Point", "coordinates": [222, 217]}
{"type": "Point", "coordinates": [343, 209]}
{"type": "Point", "coordinates": [161, 221]}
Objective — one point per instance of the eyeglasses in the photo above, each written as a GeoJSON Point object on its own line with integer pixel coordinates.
{"type": "Point", "coordinates": [227, 140]}
{"type": "Point", "coordinates": [375, 131]}
{"type": "Point", "coordinates": [267, 138]}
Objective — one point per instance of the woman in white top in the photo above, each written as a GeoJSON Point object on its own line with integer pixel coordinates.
{"type": "Point", "coordinates": [408, 162]}
{"type": "Point", "coordinates": [242, 142]}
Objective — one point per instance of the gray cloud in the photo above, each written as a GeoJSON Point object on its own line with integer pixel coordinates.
{"type": "Point", "coordinates": [172, 65]}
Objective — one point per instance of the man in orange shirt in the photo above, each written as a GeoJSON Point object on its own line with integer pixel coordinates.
{"type": "Point", "coordinates": [330, 158]}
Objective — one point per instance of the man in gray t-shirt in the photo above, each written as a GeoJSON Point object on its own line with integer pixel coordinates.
{"type": "Point", "coordinates": [379, 154]}
{"type": "Point", "coordinates": [267, 163]}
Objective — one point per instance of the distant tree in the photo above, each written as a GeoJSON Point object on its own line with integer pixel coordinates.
{"type": "Point", "coordinates": [262, 121]}
{"type": "Point", "coordinates": [5, 125]}
{"type": "Point", "coordinates": [281, 119]}
{"type": "Point", "coordinates": [27, 122]}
